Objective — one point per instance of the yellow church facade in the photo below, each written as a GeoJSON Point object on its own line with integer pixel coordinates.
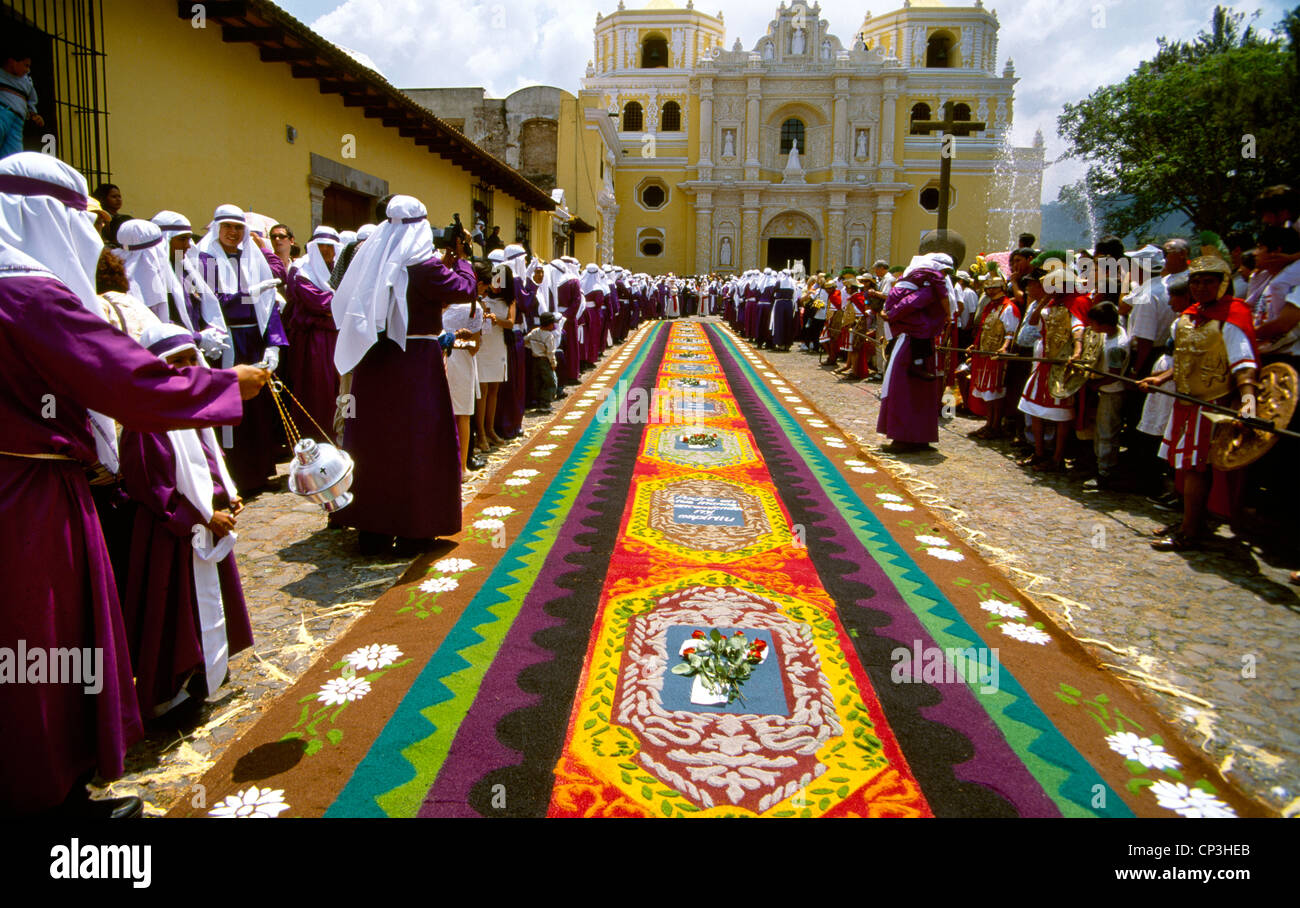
{"type": "Point", "coordinates": [695, 157]}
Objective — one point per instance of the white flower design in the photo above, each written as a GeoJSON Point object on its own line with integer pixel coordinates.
{"type": "Point", "coordinates": [792, 398]}
{"type": "Point", "coordinates": [1144, 750]}
{"type": "Point", "coordinates": [454, 565]}
{"type": "Point", "coordinates": [439, 585]}
{"type": "Point", "coordinates": [488, 523]}
{"type": "Point", "coordinates": [946, 554]}
{"type": "Point", "coordinates": [524, 473]}
{"type": "Point", "coordinates": [343, 690]}
{"type": "Point", "coordinates": [894, 506]}
{"type": "Point", "coordinates": [1190, 802]}
{"type": "Point", "coordinates": [863, 469]}
{"type": "Point", "coordinates": [1005, 609]}
{"type": "Point", "coordinates": [373, 656]}
{"type": "Point", "coordinates": [539, 453]}
{"type": "Point", "coordinates": [550, 447]}
{"type": "Point", "coordinates": [585, 402]}
{"type": "Point", "coordinates": [254, 803]}
{"type": "Point", "coordinates": [559, 430]}
{"type": "Point", "coordinates": [518, 481]}
{"type": "Point", "coordinates": [854, 463]}
{"type": "Point", "coordinates": [572, 416]}
{"type": "Point", "coordinates": [932, 540]}
{"type": "Point", "coordinates": [1025, 633]}
{"type": "Point", "coordinates": [502, 510]}
{"type": "Point", "coordinates": [888, 496]}
{"type": "Point", "coordinates": [821, 424]}
{"type": "Point", "coordinates": [590, 393]}
{"type": "Point", "coordinates": [836, 444]}
{"type": "Point", "coordinates": [803, 411]}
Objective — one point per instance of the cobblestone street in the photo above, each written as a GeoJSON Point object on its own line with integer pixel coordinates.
{"type": "Point", "coordinates": [1187, 628]}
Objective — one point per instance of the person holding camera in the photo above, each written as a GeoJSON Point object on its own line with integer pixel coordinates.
{"type": "Point", "coordinates": [401, 427]}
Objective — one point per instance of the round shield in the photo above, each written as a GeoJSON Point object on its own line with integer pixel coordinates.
{"type": "Point", "coordinates": [1064, 381]}
{"type": "Point", "coordinates": [1235, 444]}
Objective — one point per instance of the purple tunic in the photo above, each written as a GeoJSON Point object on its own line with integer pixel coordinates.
{"type": "Point", "coordinates": [254, 442]}
{"type": "Point", "coordinates": [160, 608]}
{"type": "Point", "coordinates": [909, 409]}
{"type": "Point", "coordinates": [402, 437]}
{"type": "Point", "coordinates": [593, 339]}
{"type": "Point", "coordinates": [57, 359]}
{"type": "Point", "coordinates": [309, 362]}
{"type": "Point", "coordinates": [567, 296]}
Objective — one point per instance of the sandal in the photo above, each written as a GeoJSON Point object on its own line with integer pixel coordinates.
{"type": "Point", "coordinates": [1178, 542]}
{"type": "Point", "coordinates": [1032, 460]}
{"type": "Point", "coordinates": [1168, 530]}
{"type": "Point", "coordinates": [1049, 466]}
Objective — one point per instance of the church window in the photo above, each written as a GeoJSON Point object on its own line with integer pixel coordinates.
{"type": "Point", "coordinates": [938, 50]}
{"type": "Point", "coordinates": [919, 112]}
{"type": "Point", "coordinates": [650, 242]}
{"type": "Point", "coordinates": [791, 132]}
{"type": "Point", "coordinates": [961, 112]}
{"type": "Point", "coordinates": [633, 119]}
{"type": "Point", "coordinates": [654, 53]}
{"type": "Point", "coordinates": [930, 198]}
{"type": "Point", "coordinates": [672, 118]}
{"type": "Point", "coordinates": [653, 196]}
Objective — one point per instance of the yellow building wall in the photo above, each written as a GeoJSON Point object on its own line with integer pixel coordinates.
{"type": "Point", "coordinates": [196, 122]}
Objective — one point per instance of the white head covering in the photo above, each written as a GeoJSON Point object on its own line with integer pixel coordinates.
{"type": "Point", "coordinates": [171, 222]}
{"type": "Point", "coordinates": [252, 269]}
{"type": "Point", "coordinates": [44, 212]}
{"type": "Point", "coordinates": [372, 296]}
{"type": "Point", "coordinates": [188, 272]}
{"type": "Point", "coordinates": [516, 257]}
{"type": "Point", "coordinates": [592, 279]}
{"type": "Point", "coordinates": [144, 259]}
{"type": "Point", "coordinates": [365, 231]}
{"type": "Point", "coordinates": [315, 269]}
{"type": "Point", "coordinates": [347, 237]}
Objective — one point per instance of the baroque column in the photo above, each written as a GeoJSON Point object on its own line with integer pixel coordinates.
{"type": "Point", "coordinates": [706, 127]}
{"type": "Point", "coordinates": [884, 227]}
{"type": "Point", "coordinates": [704, 233]}
{"type": "Point", "coordinates": [749, 238]}
{"type": "Point", "coordinates": [888, 114]}
{"type": "Point", "coordinates": [839, 137]}
{"type": "Point", "coordinates": [752, 98]}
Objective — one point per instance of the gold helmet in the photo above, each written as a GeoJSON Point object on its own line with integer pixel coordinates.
{"type": "Point", "coordinates": [1212, 264]}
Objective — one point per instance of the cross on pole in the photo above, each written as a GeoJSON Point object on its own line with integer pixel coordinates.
{"type": "Point", "coordinates": [951, 128]}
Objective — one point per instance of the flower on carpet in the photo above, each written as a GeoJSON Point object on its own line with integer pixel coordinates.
{"type": "Point", "coordinates": [550, 447]}
{"type": "Point", "coordinates": [821, 424]}
{"type": "Point", "coordinates": [343, 690]}
{"type": "Point", "coordinates": [373, 656]}
{"type": "Point", "coordinates": [253, 803]}
{"type": "Point", "coordinates": [946, 554]}
{"type": "Point", "coordinates": [439, 585]}
{"type": "Point", "coordinates": [1005, 609]}
{"type": "Point", "coordinates": [524, 473]}
{"type": "Point", "coordinates": [488, 523]}
{"type": "Point", "coordinates": [501, 510]}
{"type": "Point", "coordinates": [932, 540]}
{"type": "Point", "coordinates": [863, 469]}
{"type": "Point", "coordinates": [888, 496]}
{"type": "Point", "coordinates": [894, 506]}
{"type": "Point", "coordinates": [1190, 802]}
{"type": "Point", "coordinates": [1143, 750]}
{"type": "Point", "coordinates": [454, 565]}
{"type": "Point", "coordinates": [518, 481]}
{"type": "Point", "coordinates": [1025, 633]}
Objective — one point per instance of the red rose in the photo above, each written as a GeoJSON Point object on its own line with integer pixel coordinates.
{"type": "Point", "coordinates": [738, 634]}
{"type": "Point", "coordinates": [687, 652]}
{"type": "Point", "coordinates": [698, 635]}
{"type": "Point", "coordinates": [761, 644]}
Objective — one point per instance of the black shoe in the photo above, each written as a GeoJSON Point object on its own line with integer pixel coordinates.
{"type": "Point", "coordinates": [411, 547]}
{"type": "Point", "coordinates": [372, 544]}
{"type": "Point", "coordinates": [476, 462]}
{"type": "Point", "coordinates": [1178, 543]}
{"type": "Point", "coordinates": [129, 808]}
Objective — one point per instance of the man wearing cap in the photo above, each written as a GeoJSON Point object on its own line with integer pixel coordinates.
{"type": "Point", "coordinates": [244, 275]}
{"type": "Point", "coordinates": [60, 361]}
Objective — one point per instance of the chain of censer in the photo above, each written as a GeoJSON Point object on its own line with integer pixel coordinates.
{"type": "Point", "coordinates": [290, 429]}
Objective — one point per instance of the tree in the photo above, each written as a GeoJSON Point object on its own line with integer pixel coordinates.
{"type": "Point", "coordinates": [1200, 129]}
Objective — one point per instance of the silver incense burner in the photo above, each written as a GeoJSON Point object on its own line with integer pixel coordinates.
{"type": "Point", "coordinates": [322, 473]}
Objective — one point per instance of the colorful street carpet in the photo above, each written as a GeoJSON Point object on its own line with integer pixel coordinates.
{"type": "Point", "coordinates": [686, 488]}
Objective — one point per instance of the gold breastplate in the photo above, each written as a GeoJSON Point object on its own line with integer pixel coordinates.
{"type": "Point", "coordinates": [1057, 341]}
{"type": "Point", "coordinates": [992, 331]}
{"type": "Point", "coordinates": [1201, 359]}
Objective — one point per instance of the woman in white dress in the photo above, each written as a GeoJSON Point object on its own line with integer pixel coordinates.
{"type": "Point", "coordinates": [466, 321]}
{"type": "Point", "coordinates": [497, 296]}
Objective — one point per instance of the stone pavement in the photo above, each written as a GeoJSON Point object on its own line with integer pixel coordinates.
{"type": "Point", "coordinates": [1213, 637]}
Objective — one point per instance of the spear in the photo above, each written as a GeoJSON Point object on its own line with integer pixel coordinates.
{"type": "Point", "coordinates": [1254, 422]}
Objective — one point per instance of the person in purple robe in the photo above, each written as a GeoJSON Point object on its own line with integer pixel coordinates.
{"type": "Point", "coordinates": [783, 312]}
{"type": "Point", "coordinates": [591, 312]}
{"type": "Point", "coordinates": [183, 606]}
{"type": "Point", "coordinates": [309, 360]}
{"type": "Point", "coordinates": [244, 274]}
{"type": "Point", "coordinates": [401, 433]}
{"type": "Point", "coordinates": [60, 360]}
{"type": "Point", "coordinates": [568, 300]}
{"type": "Point", "coordinates": [750, 311]}
{"type": "Point", "coordinates": [763, 315]}
{"type": "Point", "coordinates": [512, 398]}
{"type": "Point", "coordinates": [917, 310]}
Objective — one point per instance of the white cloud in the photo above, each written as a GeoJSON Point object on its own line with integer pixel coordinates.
{"type": "Point", "coordinates": [1059, 55]}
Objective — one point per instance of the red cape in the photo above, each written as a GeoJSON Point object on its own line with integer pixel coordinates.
{"type": "Point", "coordinates": [1228, 309]}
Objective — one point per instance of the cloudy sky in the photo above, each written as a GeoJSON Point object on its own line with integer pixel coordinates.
{"type": "Point", "coordinates": [1060, 53]}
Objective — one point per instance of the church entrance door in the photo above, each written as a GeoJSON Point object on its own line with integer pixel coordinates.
{"type": "Point", "coordinates": [783, 251]}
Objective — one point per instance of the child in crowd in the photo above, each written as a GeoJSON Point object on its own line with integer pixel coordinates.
{"type": "Point", "coordinates": [542, 342]}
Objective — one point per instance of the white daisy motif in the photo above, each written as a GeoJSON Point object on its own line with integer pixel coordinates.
{"type": "Point", "coordinates": [439, 585]}
{"type": "Point", "coordinates": [539, 453]}
{"type": "Point", "coordinates": [854, 463]}
{"type": "Point", "coordinates": [1025, 633]}
{"type": "Point", "coordinates": [946, 554]}
{"type": "Point", "coordinates": [373, 656]}
{"type": "Point", "coordinates": [559, 430]}
{"type": "Point", "coordinates": [932, 540]}
{"type": "Point", "coordinates": [769, 375]}
{"type": "Point", "coordinates": [501, 510]}
{"type": "Point", "coordinates": [862, 469]}
{"type": "Point", "coordinates": [1190, 802]}
{"type": "Point", "coordinates": [583, 403]}
{"type": "Point", "coordinates": [524, 472]}
{"type": "Point", "coordinates": [819, 423]}
{"type": "Point", "coordinates": [590, 393]}
{"type": "Point", "coordinates": [803, 411]}
{"type": "Point", "coordinates": [488, 523]}
{"type": "Point", "coordinates": [343, 690]}
{"type": "Point", "coordinates": [1144, 750]}
{"type": "Point", "coordinates": [453, 565]}
{"type": "Point", "coordinates": [836, 444]}
{"type": "Point", "coordinates": [895, 506]}
{"type": "Point", "coordinates": [1005, 609]}
{"type": "Point", "coordinates": [572, 416]}
{"type": "Point", "coordinates": [254, 803]}
{"type": "Point", "coordinates": [888, 496]}
{"type": "Point", "coordinates": [518, 481]}
{"type": "Point", "coordinates": [546, 447]}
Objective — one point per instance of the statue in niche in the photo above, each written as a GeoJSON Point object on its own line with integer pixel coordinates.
{"type": "Point", "coordinates": [724, 251]}
{"type": "Point", "coordinates": [767, 51]}
{"type": "Point", "coordinates": [826, 49]}
{"type": "Point", "coordinates": [728, 143]}
{"type": "Point", "coordinates": [796, 42]}
{"type": "Point", "coordinates": [855, 254]}
{"type": "Point", "coordinates": [861, 147]}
